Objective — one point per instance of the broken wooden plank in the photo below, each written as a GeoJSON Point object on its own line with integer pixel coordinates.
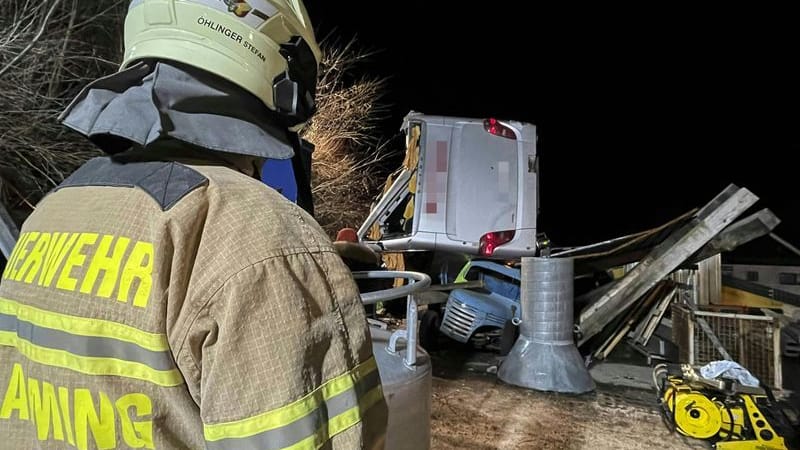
{"type": "Point", "coordinates": [632, 318]}
{"type": "Point", "coordinates": [662, 260]}
{"type": "Point", "coordinates": [646, 317]}
{"type": "Point", "coordinates": [654, 324]}
{"type": "Point", "coordinates": [649, 325]}
{"type": "Point", "coordinates": [743, 231]}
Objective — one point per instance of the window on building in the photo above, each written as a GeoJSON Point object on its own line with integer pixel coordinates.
{"type": "Point", "coordinates": [752, 275]}
{"type": "Point", "coordinates": [787, 278]}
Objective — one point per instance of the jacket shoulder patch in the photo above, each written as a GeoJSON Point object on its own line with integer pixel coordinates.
{"type": "Point", "coordinates": [165, 181]}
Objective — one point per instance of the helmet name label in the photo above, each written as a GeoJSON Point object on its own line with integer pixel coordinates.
{"type": "Point", "coordinates": [255, 51]}
{"type": "Point", "coordinates": [225, 31]}
{"type": "Point", "coordinates": [234, 36]}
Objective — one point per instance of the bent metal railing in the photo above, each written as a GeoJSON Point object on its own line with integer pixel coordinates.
{"type": "Point", "coordinates": [416, 283]}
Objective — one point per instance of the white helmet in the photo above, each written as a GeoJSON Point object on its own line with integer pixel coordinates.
{"type": "Point", "coordinates": [267, 47]}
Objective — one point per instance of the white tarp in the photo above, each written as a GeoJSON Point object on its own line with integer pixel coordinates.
{"type": "Point", "coordinates": [729, 369]}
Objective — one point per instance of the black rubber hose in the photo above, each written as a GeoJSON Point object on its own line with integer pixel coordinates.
{"type": "Point", "coordinates": [730, 416]}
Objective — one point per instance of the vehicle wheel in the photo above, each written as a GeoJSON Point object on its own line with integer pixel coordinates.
{"type": "Point", "coordinates": [430, 322]}
{"type": "Point", "coordinates": [508, 338]}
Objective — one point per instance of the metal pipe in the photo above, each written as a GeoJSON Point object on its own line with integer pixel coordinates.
{"type": "Point", "coordinates": [411, 335]}
{"type": "Point", "coordinates": [417, 282]}
{"type": "Point", "coordinates": [420, 282]}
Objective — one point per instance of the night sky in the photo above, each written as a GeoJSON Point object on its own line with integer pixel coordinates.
{"type": "Point", "coordinates": [641, 115]}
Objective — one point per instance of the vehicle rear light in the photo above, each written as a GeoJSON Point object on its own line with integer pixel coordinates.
{"type": "Point", "coordinates": [490, 241]}
{"type": "Point", "coordinates": [493, 126]}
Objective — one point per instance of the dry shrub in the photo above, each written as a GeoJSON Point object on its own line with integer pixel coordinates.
{"type": "Point", "coordinates": [348, 159]}
{"type": "Point", "coordinates": [49, 51]}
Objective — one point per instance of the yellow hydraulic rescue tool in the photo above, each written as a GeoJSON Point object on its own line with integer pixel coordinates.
{"type": "Point", "coordinates": [730, 415]}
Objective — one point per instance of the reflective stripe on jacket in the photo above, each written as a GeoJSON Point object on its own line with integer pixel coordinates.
{"type": "Point", "coordinates": [155, 304]}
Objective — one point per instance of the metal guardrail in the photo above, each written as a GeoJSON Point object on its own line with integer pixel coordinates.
{"type": "Point", "coordinates": [417, 282]}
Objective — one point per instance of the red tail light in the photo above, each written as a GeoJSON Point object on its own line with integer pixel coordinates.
{"type": "Point", "coordinates": [493, 126]}
{"type": "Point", "coordinates": [490, 241]}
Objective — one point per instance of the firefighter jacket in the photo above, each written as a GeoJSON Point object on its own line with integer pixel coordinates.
{"type": "Point", "coordinates": [163, 304]}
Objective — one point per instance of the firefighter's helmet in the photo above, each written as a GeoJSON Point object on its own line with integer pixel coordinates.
{"type": "Point", "coordinates": [267, 47]}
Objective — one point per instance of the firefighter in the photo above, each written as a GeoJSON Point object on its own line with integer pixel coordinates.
{"type": "Point", "coordinates": [162, 296]}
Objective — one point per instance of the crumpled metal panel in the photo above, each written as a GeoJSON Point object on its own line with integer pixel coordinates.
{"type": "Point", "coordinates": [545, 357]}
